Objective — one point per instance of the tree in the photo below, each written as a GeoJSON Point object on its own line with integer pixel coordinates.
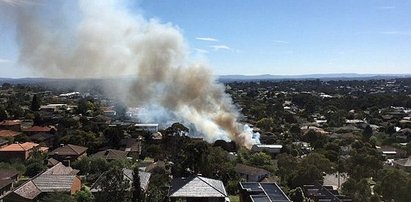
{"type": "Point", "coordinates": [393, 185]}
{"type": "Point", "coordinates": [113, 136]}
{"type": "Point", "coordinates": [84, 195]}
{"type": "Point", "coordinates": [3, 114]}
{"type": "Point", "coordinates": [35, 103]}
{"type": "Point", "coordinates": [297, 195]}
{"type": "Point", "coordinates": [34, 169]}
{"type": "Point", "coordinates": [137, 191]}
{"type": "Point", "coordinates": [56, 196]}
{"type": "Point", "coordinates": [113, 186]}
{"type": "Point", "coordinates": [357, 190]}
{"type": "Point", "coordinates": [367, 133]}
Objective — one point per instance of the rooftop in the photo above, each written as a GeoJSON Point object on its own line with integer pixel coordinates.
{"type": "Point", "coordinates": [196, 187]}
{"type": "Point", "coordinates": [19, 147]}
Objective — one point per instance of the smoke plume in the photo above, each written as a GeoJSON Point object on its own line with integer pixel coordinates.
{"type": "Point", "coordinates": [104, 39]}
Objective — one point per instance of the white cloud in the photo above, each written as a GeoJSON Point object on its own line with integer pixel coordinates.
{"type": "Point", "coordinates": [203, 51]}
{"type": "Point", "coordinates": [280, 42]}
{"type": "Point", "coordinates": [396, 33]}
{"type": "Point", "coordinates": [4, 60]}
{"type": "Point", "coordinates": [220, 47]}
{"type": "Point", "coordinates": [206, 39]}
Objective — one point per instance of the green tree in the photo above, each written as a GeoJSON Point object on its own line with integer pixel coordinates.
{"type": "Point", "coordinates": [297, 195]}
{"type": "Point", "coordinates": [34, 168]}
{"type": "Point", "coordinates": [56, 196]}
{"type": "Point", "coordinates": [137, 191]}
{"type": "Point", "coordinates": [113, 186]}
{"type": "Point", "coordinates": [35, 103]}
{"type": "Point", "coordinates": [84, 195]}
{"type": "Point", "coordinates": [113, 136]}
{"type": "Point", "coordinates": [393, 185]}
{"type": "Point", "coordinates": [367, 133]}
{"type": "Point", "coordinates": [3, 113]}
{"type": "Point", "coordinates": [357, 190]}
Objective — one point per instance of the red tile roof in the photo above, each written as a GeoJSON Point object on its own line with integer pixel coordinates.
{"type": "Point", "coordinates": [19, 147]}
{"type": "Point", "coordinates": [8, 133]}
{"type": "Point", "coordinates": [10, 122]}
{"type": "Point", "coordinates": [38, 129]}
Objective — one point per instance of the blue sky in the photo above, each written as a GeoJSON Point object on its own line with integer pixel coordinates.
{"type": "Point", "coordinates": [278, 36]}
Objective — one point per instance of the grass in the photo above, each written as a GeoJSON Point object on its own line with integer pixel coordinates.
{"type": "Point", "coordinates": [234, 198]}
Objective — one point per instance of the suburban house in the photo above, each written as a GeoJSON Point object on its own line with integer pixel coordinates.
{"type": "Point", "coordinates": [197, 189]}
{"type": "Point", "coordinates": [7, 180]}
{"type": "Point", "coordinates": [270, 148]}
{"type": "Point", "coordinates": [111, 154]}
{"type": "Point", "coordinates": [59, 178]}
{"type": "Point", "coordinates": [132, 146]}
{"type": "Point", "coordinates": [68, 153]}
{"type": "Point", "coordinates": [54, 107]}
{"type": "Point", "coordinates": [14, 125]}
{"type": "Point", "coordinates": [319, 192]}
{"type": "Point", "coordinates": [128, 175]}
{"type": "Point", "coordinates": [251, 174]}
{"type": "Point", "coordinates": [45, 139]}
{"type": "Point", "coordinates": [404, 164]}
{"type": "Point", "coordinates": [39, 129]}
{"type": "Point", "coordinates": [20, 150]}
{"type": "Point", "coordinates": [150, 127]}
{"type": "Point", "coordinates": [9, 133]}
{"type": "Point", "coordinates": [264, 192]}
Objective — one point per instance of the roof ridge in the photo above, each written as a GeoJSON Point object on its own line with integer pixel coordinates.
{"type": "Point", "coordinates": [211, 185]}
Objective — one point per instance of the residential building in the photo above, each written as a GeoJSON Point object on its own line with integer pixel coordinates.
{"type": "Point", "coordinates": [59, 178]}
{"type": "Point", "coordinates": [250, 173]}
{"type": "Point", "coordinates": [14, 125]}
{"type": "Point", "coordinates": [68, 153]}
{"type": "Point", "coordinates": [320, 193]}
{"type": "Point", "coordinates": [20, 151]}
{"type": "Point", "coordinates": [9, 133]}
{"type": "Point", "coordinates": [39, 129]}
{"type": "Point", "coordinates": [7, 179]}
{"type": "Point", "coordinates": [404, 164]}
{"type": "Point", "coordinates": [111, 154]}
{"type": "Point", "coordinates": [261, 192]}
{"type": "Point", "coordinates": [197, 189]}
{"type": "Point", "coordinates": [270, 148]}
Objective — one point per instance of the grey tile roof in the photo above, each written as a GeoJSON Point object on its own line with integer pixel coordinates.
{"type": "Point", "coordinates": [249, 170]}
{"type": "Point", "coordinates": [60, 169]}
{"type": "Point", "coordinates": [56, 178]}
{"type": "Point", "coordinates": [197, 187]}
{"type": "Point", "coordinates": [51, 183]}
{"type": "Point", "coordinates": [111, 154]}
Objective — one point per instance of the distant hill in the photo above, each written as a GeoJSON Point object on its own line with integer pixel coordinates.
{"type": "Point", "coordinates": [344, 76]}
{"type": "Point", "coordinates": [223, 78]}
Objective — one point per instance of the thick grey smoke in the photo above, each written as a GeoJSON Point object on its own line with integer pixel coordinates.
{"type": "Point", "coordinates": [105, 40]}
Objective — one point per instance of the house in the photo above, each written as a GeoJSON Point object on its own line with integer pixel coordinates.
{"type": "Point", "coordinates": [43, 138]}
{"type": "Point", "coordinates": [39, 129]}
{"type": "Point", "coordinates": [59, 178]}
{"type": "Point", "coordinates": [68, 153]}
{"type": "Point", "coordinates": [264, 192]}
{"type": "Point", "coordinates": [251, 174]}
{"type": "Point", "coordinates": [132, 146]}
{"type": "Point", "coordinates": [14, 125]}
{"type": "Point", "coordinates": [150, 127]}
{"type": "Point", "coordinates": [321, 193]}
{"type": "Point", "coordinates": [111, 154]}
{"type": "Point", "coordinates": [197, 189]}
{"type": "Point", "coordinates": [404, 164]}
{"type": "Point", "coordinates": [270, 148]}
{"type": "Point", "coordinates": [54, 107]}
{"type": "Point", "coordinates": [7, 180]}
{"type": "Point", "coordinates": [9, 133]}
{"type": "Point", "coordinates": [20, 150]}
{"type": "Point", "coordinates": [127, 175]}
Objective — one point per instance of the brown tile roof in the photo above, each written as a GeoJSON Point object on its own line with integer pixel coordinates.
{"type": "Point", "coordinates": [8, 133]}
{"type": "Point", "coordinates": [38, 129]}
{"type": "Point", "coordinates": [10, 122]}
{"type": "Point", "coordinates": [111, 154]}
{"type": "Point", "coordinates": [69, 150]}
{"type": "Point", "coordinates": [28, 190]}
{"type": "Point", "coordinates": [19, 147]}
